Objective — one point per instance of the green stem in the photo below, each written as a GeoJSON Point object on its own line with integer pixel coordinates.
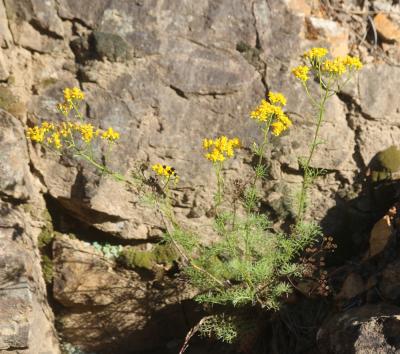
{"type": "Point", "coordinates": [306, 166]}
{"type": "Point", "coordinates": [262, 148]}
{"type": "Point", "coordinates": [220, 184]}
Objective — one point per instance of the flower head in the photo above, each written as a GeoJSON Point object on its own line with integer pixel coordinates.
{"type": "Point", "coordinates": [352, 63]}
{"type": "Point", "coordinates": [71, 94]}
{"type": "Point", "coordinates": [220, 149]}
{"type": "Point", "coordinates": [86, 131]}
{"type": "Point", "coordinates": [36, 134]}
{"type": "Point", "coordinates": [110, 134]}
{"type": "Point", "coordinates": [301, 72]}
{"type": "Point", "coordinates": [315, 54]}
{"type": "Point", "coordinates": [277, 98]}
{"type": "Point", "coordinates": [335, 66]}
{"type": "Point", "coordinates": [278, 128]}
{"type": "Point", "coordinates": [272, 113]}
{"type": "Point", "coordinates": [166, 171]}
{"type": "Point", "coordinates": [64, 108]}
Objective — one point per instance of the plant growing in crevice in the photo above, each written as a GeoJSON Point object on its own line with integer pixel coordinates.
{"type": "Point", "coordinates": [251, 263]}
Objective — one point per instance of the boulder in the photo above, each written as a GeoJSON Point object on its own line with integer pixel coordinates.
{"type": "Point", "coordinates": [100, 298]}
{"type": "Point", "coordinates": [369, 329]}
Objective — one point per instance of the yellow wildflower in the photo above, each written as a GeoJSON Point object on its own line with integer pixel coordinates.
{"type": "Point", "coordinates": [265, 110]}
{"type": "Point", "coordinates": [165, 171]}
{"type": "Point", "coordinates": [46, 126]}
{"type": "Point", "coordinates": [36, 134]}
{"type": "Point", "coordinates": [64, 108]}
{"type": "Point", "coordinates": [284, 119]}
{"type": "Point", "coordinates": [315, 54]}
{"type": "Point", "coordinates": [352, 62]}
{"type": "Point", "coordinates": [222, 148]}
{"type": "Point", "coordinates": [278, 128]}
{"type": "Point", "coordinates": [86, 131]}
{"type": "Point", "coordinates": [56, 140]}
{"type": "Point", "coordinates": [110, 134]}
{"type": "Point", "coordinates": [301, 72]}
{"type": "Point", "coordinates": [74, 93]}
{"type": "Point", "coordinates": [334, 67]}
{"type": "Point", "coordinates": [65, 129]}
{"type": "Point", "coordinates": [207, 143]}
{"type": "Point", "coordinates": [277, 98]}
{"type": "Point", "coordinates": [274, 114]}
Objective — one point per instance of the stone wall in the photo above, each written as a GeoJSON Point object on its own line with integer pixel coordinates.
{"type": "Point", "coordinates": [165, 74]}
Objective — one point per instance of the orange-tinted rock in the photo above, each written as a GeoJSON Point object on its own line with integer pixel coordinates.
{"type": "Point", "coordinates": [387, 28]}
{"type": "Point", "coordinates": [336, 35]}
{"type": "Point", "coordinates": [380, 236]}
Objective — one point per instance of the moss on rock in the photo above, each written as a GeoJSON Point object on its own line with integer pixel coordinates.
{"type": "Point", "coordinates": [47, 269]}
{"type": "Point", "coordinates": [385, 163]}
{"type": "Point", "coordinates": [160, 254]}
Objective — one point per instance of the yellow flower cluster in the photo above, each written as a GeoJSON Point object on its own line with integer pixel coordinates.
{"type": "Point", "coordinates": [301, 72]}
{"type": "Point", "coordinates": [352, 63]}
{"type": "Point", "coordinates": [71, 95]}
{"type": "Point", "coordinates": [277, 98]}
{"type": "Point", "coordinates": [272, 111]}
{"type": "Point", "coordinates": [315, 54]}
{"type": "Point", "coordinates": [339, 65]}
{"type": "Point", "coordinates": [110, 134]}
{"type": "Point", "coordinates": [220, 149]}
{"type": "Point", "coordinates": [53, 135]}
{"type": "Point", "coordinates": [334, 67]}
{"type": "Point", "coordinates": [331, 67]}
{"type": "Point", "coordinates": [165, 171]}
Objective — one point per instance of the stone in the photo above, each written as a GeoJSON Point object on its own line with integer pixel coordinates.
{"type": "Point", "coordinates": [41, 14]}
{"type": "Point", "coordinates": [15, 178]}
{"type": "Point", "coordinates": [373, 131]}
{"type": "Point", "coordinates": [389, 282]}
{"type": "Point", "coordinates": [26, 321]}
{"type": "Point", "coordinates": [111, 46]}
{"type": "Point", "coordinates": [368, 329]}
{"type": "Point", "coordinates": [352, 286]}
{"type": "Point", "coordinates": [89, 14]}
{"type": "Point", "coordinates": [16, 306]}
{"type": "Point", "coordinates": [388, 30]}
{"type": "Point", "coordinates": [376, 101]}
{"type": "Point", "coordinates": [98, 297]}
{"type": "Point", "coordinates": [337, 36]}
{"type": "Point", "coordinates": [28, 37]}
{"type": "Point", "coordinates": [380, 236]}
{"type": "Point", "coordinates": [299, 6]}
{"type": "Point", "coordinates": [5, 34]}
{"type": "Point", "coordinates": [4, 73]}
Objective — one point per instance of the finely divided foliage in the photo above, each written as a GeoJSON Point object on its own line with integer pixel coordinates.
{"type": "Point", "coordinates": [250, 263]}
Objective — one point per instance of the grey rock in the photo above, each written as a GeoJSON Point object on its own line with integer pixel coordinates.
{"type": "Point", "coordinates": [40, 14]}
{"type": "Point", "coordinates": [368, 329]}
{"type": "Point", "coordinates": [87, 12]}
{"type": "Point", "coordinates": [389, 284]}
{"type": "Point", "coordinates": [25, 317]}
{"type": "Point", "coordinates": [376, 99]}
{"type": "Point", "coordinates": [4, 73]}
{"type": "Point", "coordinates": [15, 178]}
{"type": "Point", "coordinates": [15, 304]}
{"type": "Point", "coordinates": [111, 46]}
{"type": "Point", "coordinates": [100, 298]}
{"type": "Point", "coordinates": [5, 34]}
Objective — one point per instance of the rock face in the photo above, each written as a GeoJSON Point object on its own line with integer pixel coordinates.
{"type": "Point", "coordinates": [26, 321]}
{"type": "Point", "coordinates": [365, 330]}
{"type": "Point", "coordinates": [109, 308]}
{"type": "Point", "coordinates": [164, 74]}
